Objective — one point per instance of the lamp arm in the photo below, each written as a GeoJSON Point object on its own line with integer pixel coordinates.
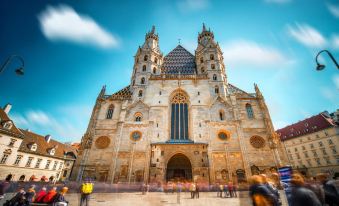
{"type": "Point", "coordinates": [8, 60]}
{"type": "Point", "coordinates": [333, 59]}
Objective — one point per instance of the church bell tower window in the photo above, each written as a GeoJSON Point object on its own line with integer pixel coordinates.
{"type": "Point", "coordinates": [179, 117]}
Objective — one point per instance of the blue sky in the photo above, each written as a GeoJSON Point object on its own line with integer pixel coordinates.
{"type": "Point", "coordinates": [73, 48]}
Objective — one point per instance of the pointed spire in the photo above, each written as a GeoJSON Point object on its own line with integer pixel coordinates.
{"type": "Point", "coordinates": [102, 92]}
{"type": "Point", "coordinates": [257, 90]}
{"type": "Point", "coordinates": [153, 29]}
{"type": "Point", "coordinates": [203, 27]}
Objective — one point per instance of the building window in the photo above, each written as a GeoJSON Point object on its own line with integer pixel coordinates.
{"type": "Point", "coordinates": [4, 158]}
{"type": "Point", "coordinates": [152, 154]}
{"type": "Point", "coordinates": [298, 156]}
{"type": "Point", "coordinates": [211, 57]}
{"type": "Point", "coordinates": [216, 89]}
{"type": "Point", "coordinates": [18, 160]}
{"type": "Point", "coordinates": [321, 144]}
{"type": "Point", "coordinates": [309, 163]}
{"type": "Point", "coordinates": [334, 150]}
{"type": "Point", "coordinates": [65, 173]}
{"type": "Point", "coordinates": [110, 111]}
{"type": "Point", "coordinates": [224, 135]}
{"type": "Point", "coordinates": [330, 141]}
{"type": "Point", "coordinates": [326, 134]}
{"type": "Point", "coordinates": [202, 70]}
{"type": "Point", "coordinates": [312, 146]}
{"type": "Point", "coordinates": [37, 164]}
{"type": "Point", "coordinates": [144, 68]}
{"type": "Point", "coordinates": [162, 153]}
{"type": "Point", "coordinates": [154, 70]}
{"type": "Point", "coordinates": [291, 157]}
{"type": "Point", "coordinates": [142, 80]}
{"type": "Point", "coordinates": [296, 149]}
{"type": "Point", "coordinates": [327, 160]}
{"type": "Point", "coordinates": [11, 143]}
{"type": "Point", "coordinates": [221, 115]}
{"type": "Point", "coordinates": [315, 153]}
{"type": "Point", "coordinates": [201, 60]}
{"type": "Point", "coordinates": [140, 93]}
{"type": "Point", "coordinates": [138, 117]}
{"type": "Point", "coordinates": [257, 142]}
{"type": "Point", "coordinates": [214, 77]}
{"type": "Point", "coordinates": [29, 161]}
{"type": "Point", "coordinates": [47, 164]}
{"type": "Point", "coordinates": [55, 165]}
{"type": "Point", "coordinates": [60, 166]}
{"type": "Point", "coordinates": [324, 152]}
{"type": "Point", "coordinates": [306, 154]}
{"type": "Point", "coordinates": [249, 111]}
{"type": "Point", "coordinates": [145, 58]}
{"type": "Point", "coordinates": [155, 60]}
{"type": "Point", "coordinates": [179, 116]}
{"type": "Point", "coordinates": [212, 66]}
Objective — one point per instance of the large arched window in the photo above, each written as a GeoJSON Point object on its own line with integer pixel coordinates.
{"type": "Point", "coordinates": [110, 111]}
{"type": "Point", "coordinates": [214, 77]}
{"type": "Point", "coordinates": [145, 58]}
{"type": "Point", "coordinates": [211, 57]}
{"type": "Point", "coordinates": [216, 89]}
{"type": "Point", "coordinates": [144, 68]}
{"type": "Point", "coordinates": [155, 60]}
{"type": "Point", "coordinates": [249, 111]}
{"type": "Point", "coordinates": [179, 116]}
{"type": "Point", "coordinates": [142, 80]}
{"type": "Point", "coordinates": [154, 70]}
{"type": "Point", "coordinates": [138, 117]}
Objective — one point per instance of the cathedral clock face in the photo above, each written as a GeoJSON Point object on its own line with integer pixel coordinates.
{"type": "Point", "coordinates": [136, 136]}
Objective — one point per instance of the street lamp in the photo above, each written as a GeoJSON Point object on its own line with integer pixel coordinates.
{"type": "Point", "coordinates": [19, 70]}
{"type": "Point", "coordinates": [322, 66]}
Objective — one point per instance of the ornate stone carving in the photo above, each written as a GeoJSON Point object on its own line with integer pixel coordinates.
{"type": "Point", "coordinates": [102, 142]}
{"type": "Point", "coordinates": [257, 142]}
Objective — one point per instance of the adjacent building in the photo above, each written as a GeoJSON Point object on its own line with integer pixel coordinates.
{"type": "Point", "coordinates": [28, 156]}
{"type": "Point", "coordinates": [179, 118]}
{"type": "Point", "coordinates": [312, 144]}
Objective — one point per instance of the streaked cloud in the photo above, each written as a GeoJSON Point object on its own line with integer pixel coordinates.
{"type": "Point", "coordinates": [306, 35]}
{"type": "Point", "coordinates": [334, 9]}
{"type": "Point", "coordinates": [64, 23]}
{"type": "Point", "coordinates": [252, 53]}
{"type": "Point", "coordinates": [192, 5]}
{"type": "Point", "coordinates": [335, 79]}
{"type": "Point", "coordinates": [335, 41]}
{"type": "Point", "coordinates": [39, 121]}
{"type": "Point", "coordinates": [278, 1]}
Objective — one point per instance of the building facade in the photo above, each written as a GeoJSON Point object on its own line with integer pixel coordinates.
{"type": "Point", "coordinates": [27, 156]}
{"type": "Point", "coordinates": [312, 145]}
{"type": "Point", "coordinates": [179, 118]}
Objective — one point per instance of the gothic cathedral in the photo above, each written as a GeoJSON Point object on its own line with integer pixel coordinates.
{"type": "Point", "coordinates": [179, 119]}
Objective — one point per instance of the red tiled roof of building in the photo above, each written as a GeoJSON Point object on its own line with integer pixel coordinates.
{"type": "Point", "coordinates": [13, 130]}
{"type": "Point", "coordinates": [43, 146]}
{"type": "Point", "coordinates": [307, 126]}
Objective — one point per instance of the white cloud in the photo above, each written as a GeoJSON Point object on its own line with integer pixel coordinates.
{"type": "Point", "coordinates": [335, 41]}
{"type": "Point", "coordinates": [192, 5]}
{"type": "Point", "coordinates": [334, 9]}
{"type": "Point", "coordinates": [38, 121]}
{"type": "Point", "coordinates": [64, 23]}
{"type": "Point", "coordinates": [278, 1]}
{"type": "Point", "coordinates": [252, 53]}
{"type": "Point", "coordinates": [307, 35]}
{"type": "Point", "coordinates": [336, 81]}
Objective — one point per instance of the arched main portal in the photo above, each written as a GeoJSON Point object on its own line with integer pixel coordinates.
{"type": "Point", "coordinates": [179, 168]}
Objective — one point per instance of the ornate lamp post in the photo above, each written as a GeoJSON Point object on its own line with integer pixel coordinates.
{"type": "Point", "coordinates": [19, 70]}
{"type": "Point", "coordinates": [322, 66]}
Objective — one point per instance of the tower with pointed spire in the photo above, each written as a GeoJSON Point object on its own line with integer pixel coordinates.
{"type": "Point", "coordinates": [179, 118]}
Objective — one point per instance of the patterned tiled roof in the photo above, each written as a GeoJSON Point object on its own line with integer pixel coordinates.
{"type": "Point", "coordinates": [43, 146]}
{"type": "Point", "coordinates": [235, 90]}
{"type": "Point", "coordinates": [179, 60]}
{"type": "Point", "coordinates": [307, 126]}
{"type": "Point", "coordinates": [13, 130]}
{"type": "Point", "coordinates": [124, 93]}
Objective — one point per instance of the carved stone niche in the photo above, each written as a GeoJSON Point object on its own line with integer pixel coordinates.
{"type": "Point", "coordinates": [102, 142]}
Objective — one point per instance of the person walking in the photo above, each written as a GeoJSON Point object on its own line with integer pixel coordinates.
{"type": "Point", "coordinates": [18, 199]}
{"type": "Point", "coordinates": [40, 195]}
{"type": "Point", "coordinates": [4, 185]}
{"type": "Point", "coordinates": [48, 198]}
{"type": "Point", "coordinates": [300, 195]}
{"type": "Point", "coordinates": [30, 194]}
{"type": "Point", "coordinates": [259, 193]}
{"type": "Point", "coordinates": [226, 192]}
{"type": "Point", "coordinates": [331, 193]}
{"type": "Point", "coordinates": [230, 188]}
{"type": "Point", "coordinates": [86, 191]}
{"type": "Point", "coordinates": [59, 199]}
{"type": "Point", "coordinates": [197, 188]}
{"type": "Point", "coordinates": [192, 190]}
{"type": "Point", "coordinates": [220, 190]}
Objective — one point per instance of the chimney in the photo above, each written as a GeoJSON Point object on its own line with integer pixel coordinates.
{"type": "Point", "coordinates": [7, 108]}
{"type": "Point", "coordinates": [48, 138]}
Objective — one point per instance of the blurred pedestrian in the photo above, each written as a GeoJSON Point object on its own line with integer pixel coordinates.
{"type": "Point", "coordinates": [259, 193]}
{"type": "Point", "coordinates": [50, 195]}
{"type": "Point", "coordinates": [331, 193]}
{"type": "Point", "coordinates": [273, 190]}
{"type": "Point", "coordinates": [235, 187]}
{"type": "Point", "coordinates": [197, 190]}
{"type": "Point", "coordinates": [18, 200]}
{"type": "Point", "coordinates": [4, 185]}
{"type": "Point", "coordinates": [220, 190]}
{"type": "Point", "coordinates": [59, 199]}
{"type": "Point", "coordinates": [86, 190]}
{"type": "Point", "coordinates": [30, 194]}
{"type": "Point", "coordinates": [40, 195]}
{"type": "Point", "coordinates": [226, 192]}
{"type": "Point", "coordinates": [300, 195]}
{"type": "Point", "coordinates": [192, 190]}
{"type": "Point", "coordinates": [230, 188]}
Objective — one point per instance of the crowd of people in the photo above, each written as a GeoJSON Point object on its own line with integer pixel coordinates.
{"type": "Point", "coordinates": [264, 190]}
{"type": "Point", "coordinates": [227, 190]}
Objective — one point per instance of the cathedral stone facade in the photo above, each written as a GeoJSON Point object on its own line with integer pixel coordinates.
{"type": "Point", "coordinates": [179, 118]}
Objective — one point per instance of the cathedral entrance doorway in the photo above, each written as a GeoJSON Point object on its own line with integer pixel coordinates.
{"type": "Point", "coordinates": [179, 168]}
